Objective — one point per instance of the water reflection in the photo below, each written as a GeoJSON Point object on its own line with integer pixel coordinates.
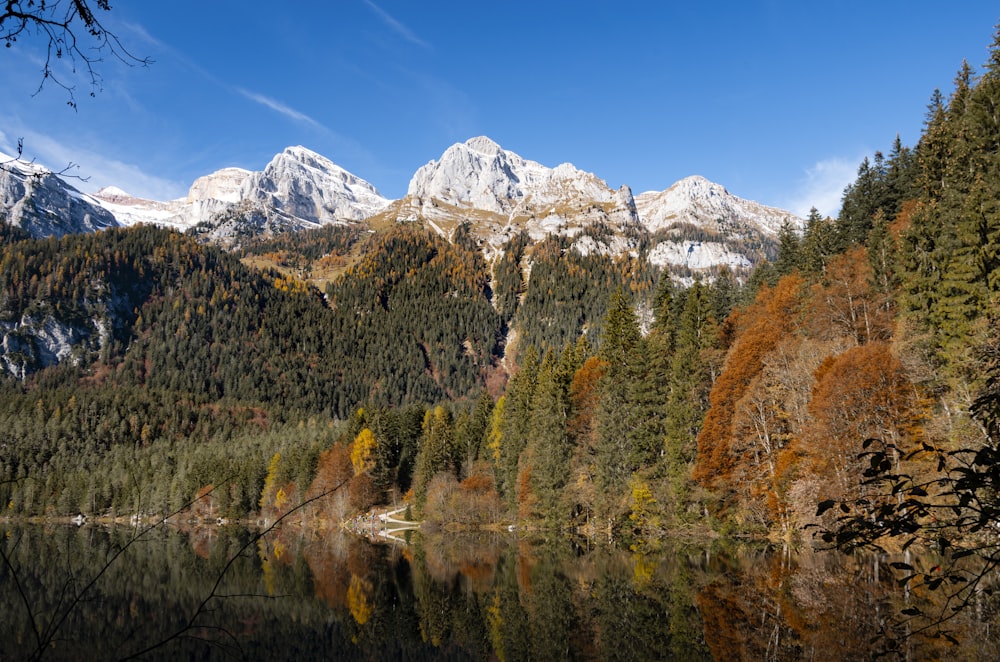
{"type": "Point", "coordinates": [488, 596]}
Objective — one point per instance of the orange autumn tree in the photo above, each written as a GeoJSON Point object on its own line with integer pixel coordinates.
{"type": "Point", "coordinates": [860, 394]}
{"type": "Point", "coordinates": [333, 471]}
{"type": "Point", "coordinates": [843, 304]}
{"type": "Point", "coordinates": [756, 332]}
{"type": "Point", "coordinates": [766, 422]}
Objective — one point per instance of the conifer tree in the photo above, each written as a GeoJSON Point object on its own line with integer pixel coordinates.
{"type": "Point", "coordinates": [436, 451]}
{"type": "Point", "coordinates": [549, 448]}
{"type": "Point", "coordinates": [615, 446]}
{"type": "Point", "coordinates": [689, 385]}
{"type": "Point", "coordinates": [516, 424]}
{"type": "Point", "coordinates": [789, 250]}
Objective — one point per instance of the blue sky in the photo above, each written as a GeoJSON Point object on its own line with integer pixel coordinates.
{"type": "Point", "coordinates": [778, 101]}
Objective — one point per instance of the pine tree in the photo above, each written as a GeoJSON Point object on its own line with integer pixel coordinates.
{"type": "Point", "coordinates": [616, 448]}
{"type": "Point", "coordinates": [516, 424]}
{"type": "Point", "coordinates": [789, 250]}
{"type": "Point", "coordinates": [549, 449]}
{"type": "Point", "coordinates": [689, 384]}
{"type": "Point", "coordinates": [818, 244]}
{"type": "Point", "coordinates": [436, 451]}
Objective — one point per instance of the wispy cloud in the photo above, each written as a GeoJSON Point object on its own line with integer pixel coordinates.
{"type": "Point", "coordinates": [403, 31]}
{"type": "Point", "coordinates": [281, 108]}
{"type": "Point", "coordinates": [266, 101]}
{"type": "Point", "coordinates": [822, 186]}
{"type": "Point", "coordinates": [95, 169]}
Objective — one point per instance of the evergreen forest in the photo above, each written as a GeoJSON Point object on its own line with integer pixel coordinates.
{"type": "Point", "coordinates": [545, 388]}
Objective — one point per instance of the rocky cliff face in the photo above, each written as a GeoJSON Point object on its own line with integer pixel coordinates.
{"type": "Point", "coordinates": [38, 201]}
{"type": "Point", "coordinates": [297, 189]}
{"type": "Point", "coordinates": [304, 185]}
{"type": "Point", "coordinates": [480, 174]}
{"type": "Point", "coordinates": [695, 225]}
{"type": "Point", "coordinates": [697, 201]}
{"type": "Point", "coordinates": [502, 193]}
{"type": "Point", "coordinates": [692, 226]}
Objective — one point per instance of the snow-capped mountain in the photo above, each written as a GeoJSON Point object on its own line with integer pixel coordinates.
{"type": "Point", "coordinates": [302, 184]}
{"type": "Point", "coordinates": [501, 192]}
{"type": "Point", "coordinates": [697, 224]}
{"type": "Point", "coordinates": [697, 201]}
{"type": "Point", "coordinates": [298, 188]}
{"type": "Point", "coordinates": [694, 225]}
{"type": "Point", "coordinates": [480, 174]}
{"type": "Point", "coordinates": [43, 204]}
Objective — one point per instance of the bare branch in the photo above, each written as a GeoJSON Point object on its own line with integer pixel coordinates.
{"type": "Point", "coordinates": [72, 32]}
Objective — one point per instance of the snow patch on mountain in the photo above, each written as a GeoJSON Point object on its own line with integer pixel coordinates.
{"type": "Point", "coordinates": [298, 188]}
{"type": "Point", "coordinates": [37, 200]}
{"type": "Point", "coordinates": [696, 255]}
{"type": "Point", "coordinates": [697, 201]}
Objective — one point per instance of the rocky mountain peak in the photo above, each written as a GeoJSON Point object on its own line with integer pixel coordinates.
{"type": "Point", "coordinates": [40, 202]}
{"type": "Point", "coordinates": [697, 201]}
{"type": "Point", "coordinates": [484, 146]}
{"type": "Point", "coordinates": [303, 184]}
{"type": "Point", "coordinates": [225, 185]}
{"type": "Point", "coordinates": [480, 174]}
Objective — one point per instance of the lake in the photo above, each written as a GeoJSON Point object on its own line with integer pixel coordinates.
{"type": "Point", "coordinates": [89, 593]}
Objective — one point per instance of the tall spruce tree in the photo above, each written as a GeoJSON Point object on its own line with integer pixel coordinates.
{"type": "Point", "coordinates": [550, 446]}
{"type": "Point", "coordinates": [689, 386]}
{"type": "Point", "coordinates": [516, 424]}
{"type": "Point", "coordinates": [616, 448]}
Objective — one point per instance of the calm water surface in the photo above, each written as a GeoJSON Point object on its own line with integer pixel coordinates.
{"type": "Point", "coordinates": [72, 593]}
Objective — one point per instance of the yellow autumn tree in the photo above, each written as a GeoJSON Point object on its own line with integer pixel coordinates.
{"type": "Point", "coordinates": [270, 481]}
{"type": "Point", "coordinates": [363, 452]}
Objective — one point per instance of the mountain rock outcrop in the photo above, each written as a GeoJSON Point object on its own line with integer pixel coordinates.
{"type": "Point", "coordinates": [43, 204]}
{"type": "Point", "coordinates": [297, 189]}
{"type": "Point", "coordinates": [304, 185]}
{"type": "Point", "coordinates": [697, 201]}
{"type": "Point", "coordinates": [693, 226]}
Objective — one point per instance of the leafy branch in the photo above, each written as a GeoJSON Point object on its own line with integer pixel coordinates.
{"type": "Point", "coordinates": [953, 511]}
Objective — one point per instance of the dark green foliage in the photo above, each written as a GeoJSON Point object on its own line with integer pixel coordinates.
{"type": "Point", "coordinates": [516, 424]}
{"type": "Point", "coordinates": [881, 186]}
{"type": "Point", "coordinates": [414, 321]}
{"type": "Point", "coordinates": [549, 446]}
{"type": "Point", "coordinates": [950, 253]}
{"type": "Point", "coordinates": [508, 276]}
{"type": "Point", "coordinates": [567, 295]}
{"type": "Point", "coordinates": [621, 448]}
{"type": "Point", "coordinates": [789, 250]}
{"type": "Point", "coordinates": [690, 382]}
{"type": "Point", "coordinates": [11, 233]}
{"type": "Point", "coordinates": [397, 434]}
{"type": "Point", "coordinates": [437, 451]}
{"type": "Point", "coordinates": [471, 424]}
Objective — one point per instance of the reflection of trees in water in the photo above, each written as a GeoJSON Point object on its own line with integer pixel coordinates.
{"type": "Point", "coordinates": [461, 597]}
{"type": "Point", "coordinates": [763, 605]}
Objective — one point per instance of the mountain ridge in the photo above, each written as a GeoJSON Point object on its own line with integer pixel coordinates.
{"type": "Point", "coordinates": [694, 224]}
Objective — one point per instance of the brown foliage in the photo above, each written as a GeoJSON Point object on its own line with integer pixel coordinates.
{"type": "Point", "coordinates": [861, 393]}
{"type": "Point", "coordinates": [333, 468]}
{"type": "Point", "coordinates": [363, 493]}
{"type": "Point", "coordinates": [773, 314]}
{"type": "Point", "coordinates": [474, 501]}
{"type": "Point", "coordinates": [844, 303]}
{"type": "Point", "coordinates": [584, 394]}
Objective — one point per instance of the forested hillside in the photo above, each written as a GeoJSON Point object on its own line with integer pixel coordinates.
{"type": "Point", "coordinates": [549, 387]}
